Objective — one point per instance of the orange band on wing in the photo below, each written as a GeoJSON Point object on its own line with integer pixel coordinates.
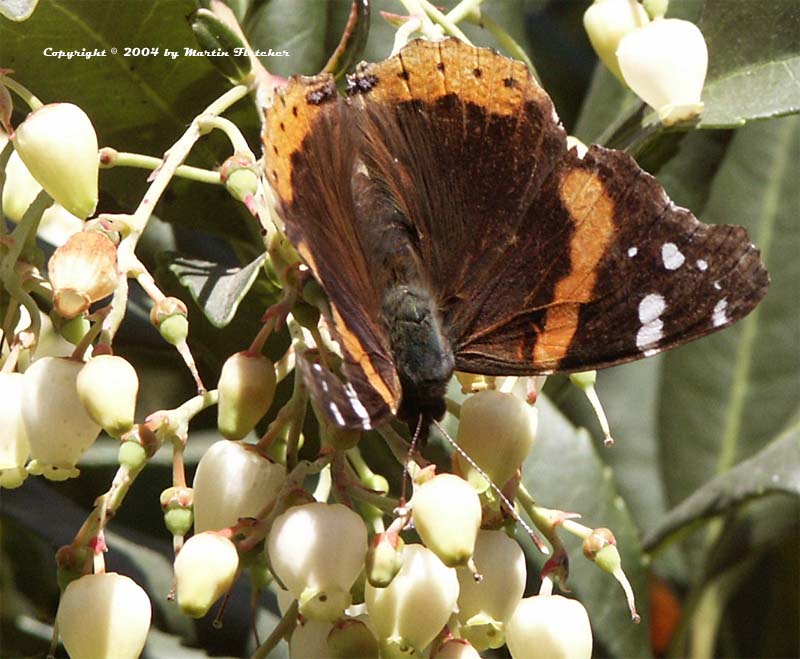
{"type": "Point", "coordinates": [592, 211]}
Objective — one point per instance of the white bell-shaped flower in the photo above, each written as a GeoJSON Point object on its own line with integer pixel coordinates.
{"type": "Point", "coordinates": [14, 447]}
{"type": "Point", "coordinates": [58, 145]}
{"type": "Point", "coordinates": [58, 427]}
{"type": "Point", "coordinates": [317, 550]}
{"type": "Point", "coordinates": [104, 616]}
{"type": "Point", "coordinates": [19, 190]}
{"type": "Point", "coordinates": [233, 480]}
{"type": "Point", "coordinates": [665, 64]}
{"type": "Point", "coordinates": [409, 613]}
{"type": "Point", "coordinates": [549, 627]}
{"type": "Point", "coordinates": [446, 511]}
{"type": "Point", "coordinates": [497, 431]}
{"type": "Point", "coordinates": [484, 606]}
{"type": "Point", "coordinates": [205, 569]}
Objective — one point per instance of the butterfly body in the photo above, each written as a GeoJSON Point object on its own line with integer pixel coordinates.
{"type": "Point", "coordinates": [451, 227]}
{"type": "Point", "coordinates": [422, 354]}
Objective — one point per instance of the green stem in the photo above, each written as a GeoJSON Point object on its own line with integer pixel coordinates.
{"type": "Point", "coordinates": [23, 92]}
{"type": "Point", "coordinates": [231, 130]}
{"type": "Point", "coordinates": [449, 26]}
{"type": "Point", "coordinates": [110, 158]}
{"type": "Point", "coordinates": [464, 10]}
{"type": "Point", "coordinates": [286, 624]}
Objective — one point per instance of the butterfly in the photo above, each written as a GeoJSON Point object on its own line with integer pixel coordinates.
{"type": "Point", "coordinates": [450, 226]}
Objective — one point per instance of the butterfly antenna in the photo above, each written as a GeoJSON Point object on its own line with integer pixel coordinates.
{"type": "Point", "coordinates": [411, 448]}
{"type": "Point", "coordinates": [503, 498]}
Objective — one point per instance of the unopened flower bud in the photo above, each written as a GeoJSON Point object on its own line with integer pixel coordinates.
{"type": "Point", "coordinates": [107, 386]}
{"type": "Point", "coordinates": [600, 546]}
{"type": "Point", "coordinates": [233, 480]}
{"type": "Point", "coordinates": [58, 145]}
{"type": "Point", "coordinates": [104, 616]}
{"type": "Point", "coordinates": [549, 627]}
{"type": "Point", "coordinates": [74, 329]}
{"type": "Point", "coordinates": [409, 613]}
{"type": "Point", "coordinates": [384, 559]}
{"type": "Point", "coordinates": [14, 448]}
{"type": "Point", "coordinates": [82, 271]}
{"type": "Point", "coordinates": [59, 429]}
{"type": "Point", "coordinates": [239, 174]}
{"type": "Point", "coordinates": [170, 317]}
{"type": "Point", "coordinates": [176, 502]}
{"type": "Point", "coordinates": [607, 22]}
{"type": "Point", "coordinates": [665, 64]}
{"type": "Point", "coordinates": [485, 606]}
{"type": "Point", "coordinates": [246, 388]}
{"type": "Point", "coordinates": [497, 431]}
{"type": "Point", "coordinates": [132, 455]}
{"type": "Point", "coordinates": [205, 569]}
{"type": "Point", "coordinates": [351, 638]}
{"type": "Point", "coordinates": [447, 515]}
{"type": "Point", "coordinates": [317, 551]}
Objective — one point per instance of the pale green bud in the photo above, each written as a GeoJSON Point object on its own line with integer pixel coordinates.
{"type": "Point", "coordinates": [447, 515]}
{"type": "Point", "coordinates": [246, 389]}
{"type": "Point", "coordinates": [107, 386]}
{"type": "Point", "coordinates": [205, 569]}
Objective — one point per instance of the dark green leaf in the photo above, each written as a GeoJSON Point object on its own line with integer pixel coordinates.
{"type": "Point", "coordinates": [754, 60]}
{"type": "Point", "coordinates": [775, 468]}
{"type": "Point", "coordinates": [217, 289]}
{"type": "Point", "coordinates": [565, 472]}
{"type": "Point", "coordinates": [728, 396]}
{"type": "Point", "coordinates": [604, 106]}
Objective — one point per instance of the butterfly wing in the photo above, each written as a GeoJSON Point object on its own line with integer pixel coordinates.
{"type": "Point", "coordinates": [540, 260]}
{"type": "Point", "coordinates": [310, 153]}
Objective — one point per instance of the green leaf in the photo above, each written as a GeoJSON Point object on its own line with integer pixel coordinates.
{"type": "Point", "coordinates": [604, 106]}
{"type": "Point", "coordinates": [728, 396]}
{"type": "Point", "coordinates": [215, 288]}
{"type": "Point", "coordinates": [565, 472]}
{"type": "Point", "coordinates": [754, 61]}
{"type": "Point", "coordinates": [775, 468]}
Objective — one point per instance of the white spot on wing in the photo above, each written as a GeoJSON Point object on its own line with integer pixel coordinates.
{"type": "Point", "coordinates": [652, 330]}
{"type": "Point", "coordinates": [720, 317]}
{"type": "Point", "coordinates": [633, 251]}
{"type": "Point", "coordinates": [717, 286]}
{"type": "Point", "coordinates": [672, 256]}
{"type": "Point", "coordinates": [702, 265]}
{"type": "Point", "coordinates": [358, 406]}
{"type": "Point", "coordinates": [337, 415]}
